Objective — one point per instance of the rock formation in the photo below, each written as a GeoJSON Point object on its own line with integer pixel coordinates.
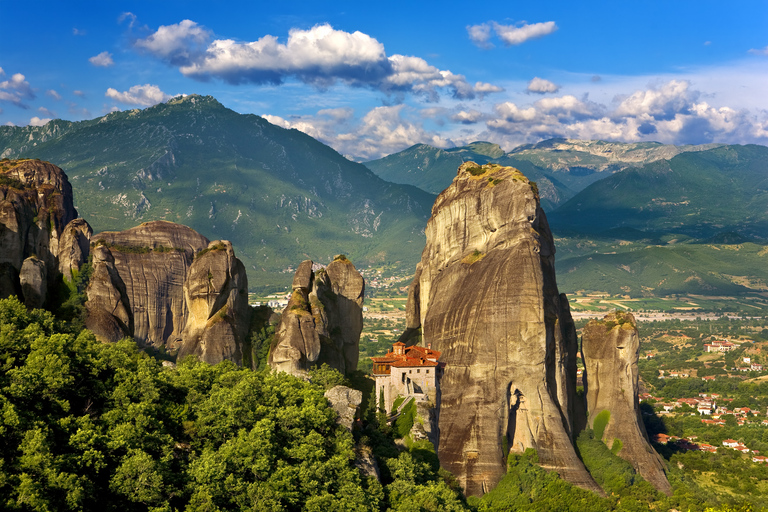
{"type": "Point", "coordinates": [610, 352]}
{"type": "Point", "coordinates": [168, 287]}
{"type": "Point", "coordinates": [34, 282]}
{"type": "Point", "coordinates": [146, 267]}
{"type": "Point", "coordinates": [74, 247]}
{"type": "Point", "coordinates": [344, 401]}
{"type": "Point", "coordinates": [216, 297]}
{"type": "Point", "coordinates": [485, 296]}
{"type": "Point", "coordinates": [35, 208]}
{"type": "Point", "coordinates": [323, 319]}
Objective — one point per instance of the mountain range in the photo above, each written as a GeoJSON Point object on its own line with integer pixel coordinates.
{"type": "Point", "coordinates": [278, 195]}
{"type": "Point", "coordinates": [636, 218]}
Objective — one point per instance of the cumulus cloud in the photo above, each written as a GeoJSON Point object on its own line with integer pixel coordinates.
{"type": "Point", "coordinates": [467, 117]}
{"type": "Point", "coordinates": [671, 113]}
{"type": "Point", "coordinates": [179, 44]}
{"type": "Point", "coordinates": [16, 90]}
{"type": "Point", "coordinates": [142, 95]}
{"type": "Point", "coordinates": [759, 51]}
{"type": "Point", "coordinates": [102, 60]}
{"type": "Point", "coordinates": [79, 93]}
{"type": "Point", "coordinates": [320, 56]}
{"type": "Point", "coordinates": [542, 86]}
{"type": "Point", "coordinates": [53, 94]}
{"type": "Point", "coordinates": [510, 35]}
{"type": "Point", "coordinates": [380, 132]}
{"type": "Point", "coordinates": [36, 121]}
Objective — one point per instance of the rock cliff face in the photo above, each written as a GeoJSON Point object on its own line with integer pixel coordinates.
{"type": "Point", "coordinates": [35, 209]}
{"type": "Point", "coordinates": [485, 296]}
{"type": "Point", "coordinates": [216, 297]}
{"type": "Point", "coordinates": [167, 286]}
{"type": "Point", "coordinates": [146, 267]}
{"type": "Point", "coordinates": [323, 319]}
{"type": "Point", "coordinates": [610, 351]}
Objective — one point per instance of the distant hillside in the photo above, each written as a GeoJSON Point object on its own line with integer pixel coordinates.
{"type": "Point", "coordinates": [278, 195]}
{"type": "Point", "coordinates": [699, 194]}
{"type": "Point", "coordinates": [560, 167]}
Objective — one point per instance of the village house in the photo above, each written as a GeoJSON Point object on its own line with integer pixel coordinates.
{"type": "Point", "coordinates": [407, 372]}
{"type": "Point", "coordinates": [720, 346]}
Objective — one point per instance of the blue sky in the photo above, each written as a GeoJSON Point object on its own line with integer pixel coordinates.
{"type": "Point", "coordinates": [370, 79]}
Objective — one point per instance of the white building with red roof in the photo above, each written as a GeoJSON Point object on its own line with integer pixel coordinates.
{"type": "Point", "coordinates": [407, 372]}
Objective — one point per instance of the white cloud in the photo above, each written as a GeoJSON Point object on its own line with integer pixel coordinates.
{"type": "Point", "coordinates": [78, 32]}
{"type": "Point", "coordinates": [671, 113]}
{"type": "Point", "coordinates": [514, 35]}
{"type": "Point", "coordinates": [380, 132]}
{"type": "Point", "coordinates": [480, 34]}
{"type": "Point", "coordinates": [542, 86]}
{"type": "Point", "coordinates": [660, 103]}
{"type": "Point", "coordinates": [44, 111]}
{"type": "Point", "coordinates": [467, 117]}
{"type": "Point", "coordinates": [79, 93]}
{"type": "Point", "coordinates": [143, 95]}
{"type": "Point", "coordinates": [759, 51]}
{"type": "Point", "coordinates": [320, 56]}
{"type": "Point", "coordinates": [102, 60]}
{"type": "Point", "coordinates": [36, 121]}
{"type": "Point", "coordinates": [179, 44]}
{"type": "Point", "coordinates": [53, 94]}
{"type": "Point", "coordinates": [509, 34]}
{"type": "Point", "coordinates": [127, 16]}
{"type": "Point", "coordinates": [16, 90]}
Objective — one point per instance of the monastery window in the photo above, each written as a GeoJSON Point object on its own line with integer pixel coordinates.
{"type": "Point", "coordinates": [427, 371]}
{"type": "Point", "coordinates": [410, 371]}
{"type": "Point", "coordinates": [418, 371]}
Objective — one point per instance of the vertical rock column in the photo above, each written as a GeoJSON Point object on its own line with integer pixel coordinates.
{"type": "Point", "coordinates": [485, 296]}
{"type": "Point", "coordinates": [610, 350]}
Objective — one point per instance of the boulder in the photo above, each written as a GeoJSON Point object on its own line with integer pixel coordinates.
{"type": "Point", "coordinates": [485, 296]}
{"type": "Point", "coordinates": [345, 402]}
{"type": "Point", "coordinates": [610, 350]}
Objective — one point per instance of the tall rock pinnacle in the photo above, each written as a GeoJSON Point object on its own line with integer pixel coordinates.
{"type": "Point", "coordinates": [610, 350]}
{"type": "Point", "coordinates": [485, 296]}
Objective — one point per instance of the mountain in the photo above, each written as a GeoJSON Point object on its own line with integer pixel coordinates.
{"type": "Point", "coordinates": [698, 194]}
{"type": "Point", "coordinates": [560, 167]}
{"type": "Point", "coordinates": [278, 195]}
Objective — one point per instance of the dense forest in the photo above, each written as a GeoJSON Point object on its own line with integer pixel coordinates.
{"type": "Point", "coordinates": [93, 426]}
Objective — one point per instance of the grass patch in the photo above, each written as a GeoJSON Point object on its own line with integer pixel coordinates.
{"type": "Point", "coordinates": [601, 421]}
{"type": "Point", "coordinates": [473, 257]}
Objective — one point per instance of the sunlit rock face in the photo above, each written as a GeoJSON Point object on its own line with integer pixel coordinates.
{"type": "Point", "coordinates": [610, 350]}
{"type": "Point", "coordinates": [322, 321]}
{"type": "Point", "coordinates": [485, 296]}
{"type": "Point", "coordinates": [35, 208]}
{"type": "Point", "coordinates": [216, 297]}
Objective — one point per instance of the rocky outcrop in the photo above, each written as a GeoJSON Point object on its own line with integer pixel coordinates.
{"type": "Point", "coordinates": [322, 321]}
{"type": "Point", "coordinates": [35, 207]}
{"type": "Point", "coordinates": [146, 267]}
{"type": "Point", "coordinates": [168, 287]}
{"type": "Point", "coordinates": [485, 296]}
{"type": "Point", "coordinates": [610, 351]}
{"type": "Point", "coordinates": [74, 247]}
{"type": "Point", "coordinates": [344, 401]}
{"type": "Point", "coordinates": [34, 282]}
{"type": "Point", "coordinates": [216, 298]}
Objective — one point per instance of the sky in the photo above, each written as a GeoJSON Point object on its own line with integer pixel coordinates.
{"type": "Point", "coordinates": [373, 78]}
